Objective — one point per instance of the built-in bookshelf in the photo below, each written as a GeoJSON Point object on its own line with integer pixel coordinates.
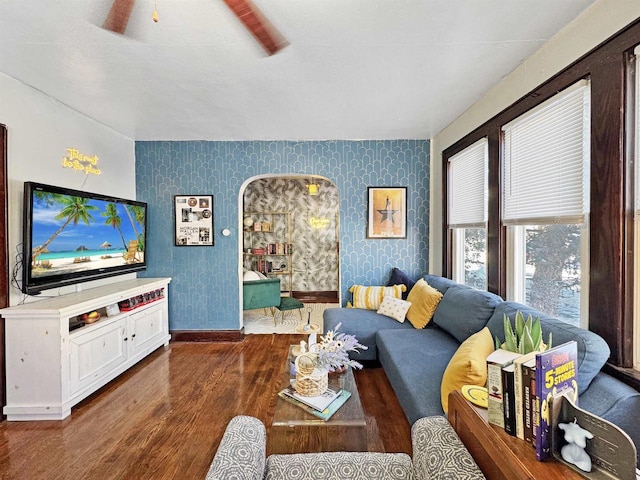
{"type": "Point", "coordinates": [267, 246]}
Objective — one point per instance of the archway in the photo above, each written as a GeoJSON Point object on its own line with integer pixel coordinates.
{"type": "Point", "coordinates": [310, 268]}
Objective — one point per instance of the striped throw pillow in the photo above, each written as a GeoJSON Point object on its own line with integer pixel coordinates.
{"type": "Point", "coordinates": [370, 298]}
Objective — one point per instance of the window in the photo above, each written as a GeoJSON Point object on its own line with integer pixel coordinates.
{"type": "Point", "coordinates": [545, 192]}
{"type": "Point", "coordinates": [467, 214]}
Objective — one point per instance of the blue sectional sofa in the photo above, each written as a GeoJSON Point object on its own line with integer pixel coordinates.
{"type": "Point", "coordinates": [415, 360]}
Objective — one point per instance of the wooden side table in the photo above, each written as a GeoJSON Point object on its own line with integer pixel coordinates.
{"type": "Point", "coordinates": [499, 455]}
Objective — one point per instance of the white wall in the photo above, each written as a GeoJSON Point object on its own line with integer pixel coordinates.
{"type": "Point", "coordinates": [603, 19]}
{"type": "Point", "coordinates": [40, 129]}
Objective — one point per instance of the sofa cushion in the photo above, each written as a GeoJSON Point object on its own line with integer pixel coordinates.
{"type": "Point", "coordinates": [442, 283]}
{"type": "Point", "coordinates": [616, 402]}
{"type": "Point", "coordinates": [398, 277]}
{"type": "Point", "coordinates": [395, 308]}
{"type": "Point", "coordinates": [439, 454]}
{"type": "Point", "coordinates": [468, 366]}
{"type": "Point", "coordinates": [333, 465]}
{"type": "Point", "coordinates": [414, 361]}
{"type": "Point", "coordinates": [424, 300]}
{"type": "Point", "coordinates": [370, 298]}
{"type": "Point", "coordinates": [464, 311]}
{"type": "Point", "coordinates": [593, 351]}
{"type": "Point", "coordinates": [241, 451]}
{"type": "Point", "coordinates": [363, 324]}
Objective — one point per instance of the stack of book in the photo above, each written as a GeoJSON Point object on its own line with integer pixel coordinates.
{"type": "Point", "coordinates": [322, 406]}
{"type": "Point", "coordinates": [522, 387]}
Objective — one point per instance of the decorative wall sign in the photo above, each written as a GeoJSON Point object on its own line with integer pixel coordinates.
{"type": "Point", "coordinates": [193, 220]}
{"type": "Point", "coordinates": [387, 212]}
{"type": "Point", "coordinates": [80, 162]}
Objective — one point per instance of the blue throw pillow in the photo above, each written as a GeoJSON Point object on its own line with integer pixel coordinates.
{"type": "Point", "coordinates": [464, 311]}
{"type": "Point", "coordinates": [442, 284]}
{"type": "Point", "coordinates": [398, 277]}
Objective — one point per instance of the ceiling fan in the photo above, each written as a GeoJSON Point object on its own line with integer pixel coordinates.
{"type": "Point", "coordinates": [252, 18]}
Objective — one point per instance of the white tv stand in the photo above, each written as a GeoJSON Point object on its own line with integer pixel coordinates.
{"type": "Point", "coordinates": [50, 369]}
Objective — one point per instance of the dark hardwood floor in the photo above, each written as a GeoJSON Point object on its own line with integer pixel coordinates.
{"type": "Point", "coordinates": [164, 418]}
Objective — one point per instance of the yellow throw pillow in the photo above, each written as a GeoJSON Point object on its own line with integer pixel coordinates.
{"type": "Point", "coordinates": [371, 297]}
{"type": "Point", "coordinates": [468, 366]}
{"type": "Point", "coordinates": [424, 300]}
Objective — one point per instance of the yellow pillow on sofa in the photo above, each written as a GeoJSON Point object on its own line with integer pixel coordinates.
{"type": "Point", "coordinates": [424, 300]}
{"type": "Point", "coordinates": [468, 366]}
{"type": "Point", "coordinates": [371, 297]}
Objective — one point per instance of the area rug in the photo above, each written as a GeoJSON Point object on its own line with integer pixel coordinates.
{"type": "Point", "coordinates": [260, 321]}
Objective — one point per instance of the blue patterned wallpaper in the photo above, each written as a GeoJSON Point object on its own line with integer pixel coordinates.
{"type": "Point", "coordinates": [204, 291]}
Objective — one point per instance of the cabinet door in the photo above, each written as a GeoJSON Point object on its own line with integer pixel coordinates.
{"type": "Point", "coordinates": [96, 353]}
{"type": "Point", "coordinates": [146, 328]}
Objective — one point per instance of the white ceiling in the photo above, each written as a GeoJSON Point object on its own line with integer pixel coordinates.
{"type": "Point", "coordinates": [354, 69]}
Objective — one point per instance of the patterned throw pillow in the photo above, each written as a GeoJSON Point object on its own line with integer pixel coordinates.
{"type": "Point", "coordinates": [424, 300]}
{"type": "Point", "coordinates": [370, 298]}
{"type": "Point", "coordinates": [394, 308]}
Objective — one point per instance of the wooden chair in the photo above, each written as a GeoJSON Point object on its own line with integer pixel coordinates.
{"type": "Point", "coordinates": [130, 256]}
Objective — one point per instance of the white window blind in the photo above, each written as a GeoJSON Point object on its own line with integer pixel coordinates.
{"type": "Point", "coordinates": [546, 161]}
{"type": "Point", "coordinates": [468, 186]}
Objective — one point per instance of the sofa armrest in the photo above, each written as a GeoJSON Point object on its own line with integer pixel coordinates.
{"type": "Point", "coordinates": [438, 452]}
{"type": "Point", "coordinates": [241, 453]}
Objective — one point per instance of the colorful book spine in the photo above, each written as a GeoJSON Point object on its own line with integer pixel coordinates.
{"type": "Point", "coordinates": [508, 399]}
{"type": "Point", "coordinates": [556, 371]}
{"type": "Point", "coordinates": [495, 362]}
{"type": "Point", "coordinates": [519, 391]}
{"type": "Point", "coordinates": [528, 398]}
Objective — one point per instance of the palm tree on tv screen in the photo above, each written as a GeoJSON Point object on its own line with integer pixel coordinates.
{"type": "Point", "coordinates": [114, 220]}
{"type": "Point", "coordinates": [74, 209]}
{"type": "Point", "coordinates": [138, 215]}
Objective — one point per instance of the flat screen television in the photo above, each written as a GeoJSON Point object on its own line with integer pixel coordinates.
{"type": "Point", "coordinates": [70, 236]}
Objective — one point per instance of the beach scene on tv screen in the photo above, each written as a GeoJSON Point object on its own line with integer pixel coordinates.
{"type": "Point", "coordinates": [71, 234]}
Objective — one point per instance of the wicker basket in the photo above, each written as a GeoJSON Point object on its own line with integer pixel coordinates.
{"type": "Point", "coordinates": [310, 381]}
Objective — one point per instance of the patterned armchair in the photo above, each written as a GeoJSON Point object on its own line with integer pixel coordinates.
{"type": "Point", "coordinates": [438, 454]}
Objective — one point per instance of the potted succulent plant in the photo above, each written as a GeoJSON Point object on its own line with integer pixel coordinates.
{"type": "Point", "coordinates": [527, 336]}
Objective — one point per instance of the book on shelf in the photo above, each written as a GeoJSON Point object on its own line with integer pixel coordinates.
{"type": "Point", "coordinates": [556, 372]}
{"type": "Point", "coordinates": [519, 401]}
{"type": "Point", "coordinates": [508, 399]}
{"type": "Point", "coordinates": [528, 370]}
{"type": "Point", "coordinates": [325, 414]}
{"type": "Point", "coordinates": [319, 402]}
{"type": "Point", "coordinates": [495, 363]}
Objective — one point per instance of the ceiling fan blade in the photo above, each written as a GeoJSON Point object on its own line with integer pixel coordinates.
{"type": "Point", "coordinates": [118, 17]}
{"type": "Point", "coordinates": [253, 19]}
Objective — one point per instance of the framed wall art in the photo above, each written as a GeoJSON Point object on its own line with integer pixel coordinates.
{"type": "Point", "coordinates": [193, 220]}
{"type": "Point", "coordinates": [387, 212]}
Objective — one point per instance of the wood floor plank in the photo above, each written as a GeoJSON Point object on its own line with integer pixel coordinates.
{"type": "Point", "coordinates": [164, 418]}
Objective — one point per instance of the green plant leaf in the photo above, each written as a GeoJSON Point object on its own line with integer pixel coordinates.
{"type": "Point", "coordinates": [536, 331]}
{"type": "Point", "coordinates": [549, 343]}
{"type": "Point", "coordinates": [519, 324]}
{"type": "Point", "coordinates": [510, 340]}
{"type": "Point", "coordinates": [526, 343]}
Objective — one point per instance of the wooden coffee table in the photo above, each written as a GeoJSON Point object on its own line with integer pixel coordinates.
{"type": "Point", "coordinates": [295, 431]}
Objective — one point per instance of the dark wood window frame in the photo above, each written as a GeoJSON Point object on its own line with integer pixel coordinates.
{"type": "Point", "coordinates": [608, 67]}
